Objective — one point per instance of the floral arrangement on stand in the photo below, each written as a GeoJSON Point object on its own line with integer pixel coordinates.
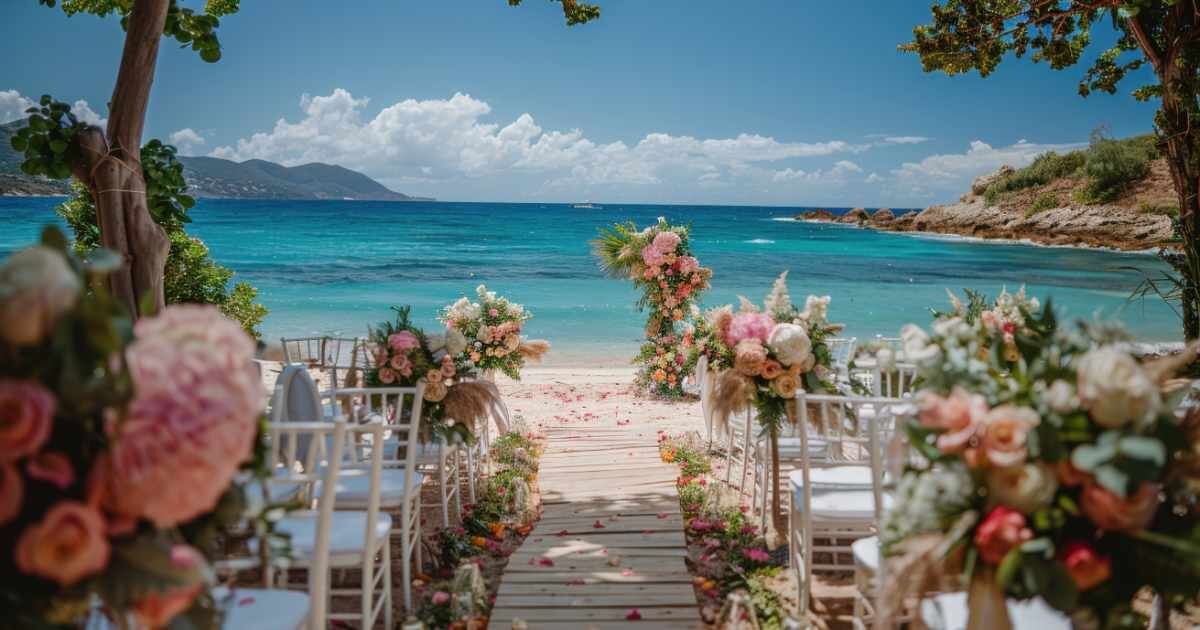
{"type": "Point", "coordinates": [491, 530]}
{"type": "Point", "coordinates": [455, 399]}
{"type": "Point", "coordinates": [492, 328]}
{"type": "Point", "coordinates": [1052, 464]}
{"type": "Point", "coordinates": [659, 261]}
{"type": "Point", "coordinates": [726, 551]}
{"type": "Point", "coordinates": [774, 352]}
{"type": "Point", "coordinates": [126, 449]}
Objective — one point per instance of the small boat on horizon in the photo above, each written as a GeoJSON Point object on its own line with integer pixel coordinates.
{"type": "Point", "coordinates": [586, 205]}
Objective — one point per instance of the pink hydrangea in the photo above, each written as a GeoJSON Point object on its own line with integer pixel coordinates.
{"type": "Point", "coordinates": [403, 341]}
{"type": "Point", "coordinates": [652, 256]}
{"type": "Point", "coordinates": [666, 242]}
{"type": "Point", "coordinates": [749, 325]}
{"type": "Point", "coordinates": [688, 264]}
{"type": "Point", "coordinates": [197, 398]}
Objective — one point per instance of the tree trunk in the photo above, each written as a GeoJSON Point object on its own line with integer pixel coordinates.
{"type": "Point", "coordinates": [1179, 141]}
{"type": "Point", "coordinates": [112, 169]}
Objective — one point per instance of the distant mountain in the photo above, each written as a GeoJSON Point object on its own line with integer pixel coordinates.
{"type": "Point", "coordinates": [218, 178]}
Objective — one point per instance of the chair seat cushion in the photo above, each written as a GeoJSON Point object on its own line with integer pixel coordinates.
{"type": "Point", "coordinates": [866, 553]}
{"type": "Point", "coordinates": [849, 477]}
{"type": "Point", "coordinates": [353, 492]}
{"type": "Point", "coordinates": [346, 535]}
{"type": "Point", "coordinates": [949, 612]}
{"type": "Point", "coordinates": [263, 609]}
{"type": "Point", "coordinates": [789, 447]}
{"type": "Point", "coordinates": [841, 503]}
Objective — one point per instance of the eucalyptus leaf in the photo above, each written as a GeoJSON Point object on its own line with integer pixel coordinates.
{"type": "Point", "coordinates": [1113, 479]}
{"type": "Point", "coordinates": [1088, 457]}
{"type": "Point", "coordinates": [1144, 448]}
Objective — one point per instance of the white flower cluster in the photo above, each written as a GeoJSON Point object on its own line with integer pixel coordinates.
{"type": "Point", "coordinates": [922, 501]}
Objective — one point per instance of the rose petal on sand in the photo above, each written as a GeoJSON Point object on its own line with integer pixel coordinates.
{"type": "Point", "coordinates": [598, 525]}
{"type": "Point", "coordinates": [546, 562]}
{"type": "Point", "coordinates": [633, 615]}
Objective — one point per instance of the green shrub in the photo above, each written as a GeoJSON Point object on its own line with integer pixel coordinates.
{"type": "Point", "coordinates": [1044, 169]}
{"type": "Point", "coordinates": [190, 274]}
{"type": "Point", "coordinates": [1170, 209]}
{"type": "Point", "coordinates": [1112, 165]}
{"type": "Point", "coordinates": [1044, 201]}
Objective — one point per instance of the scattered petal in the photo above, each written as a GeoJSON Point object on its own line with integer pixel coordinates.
{"type": "Point", "coordinates": [546, 562]}
{"type": "Point", "coordinates": [598, 525]}
{"type": "Point", "coordinates": [633, 615]}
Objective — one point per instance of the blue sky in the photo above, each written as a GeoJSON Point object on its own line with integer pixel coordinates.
{"type": "Point", "coordinates": [773, 102]}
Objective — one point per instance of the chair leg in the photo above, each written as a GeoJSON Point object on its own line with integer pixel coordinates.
{"type": "Point", "coordinates": [457, 486]}
{"type": "Point", "coordinates": [388, 614]}
{"type": "Point", "coordinates": [406, 551]}
{"type": "Point", "coordinates": [444, 490]}
{"type": "Point", "coordinates": [472, 465]}
{"type": "Point", "coordinates": [728, 456]}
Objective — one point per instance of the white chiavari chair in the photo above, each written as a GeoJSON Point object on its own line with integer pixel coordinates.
{"type": "Point", "coordinates": [842, 351]}
{"type": "Point", "coordinates": [895, 382]}
{"type": "Point", "coordinates": [706, 381]}
{"type": "Point", "coordinates": [358, 539]}
{"type": "Point", "coordinates": [831, 506]}
{"type": "Point", "coordinates": [398, 411]}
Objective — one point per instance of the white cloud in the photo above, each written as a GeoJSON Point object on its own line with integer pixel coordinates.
{"type": "Point", "coordinates": [905, 139]}
{"type": "Point", "coordinates": [837, 174]}
{"type": "Point", "coordinates": [13, 105]}
{"type": "Point", "coordinates": [448, 139]}
{"type": "Point", "coordinates": [951, 173]}
{"type": "Point", "coordinates": [187, 140]}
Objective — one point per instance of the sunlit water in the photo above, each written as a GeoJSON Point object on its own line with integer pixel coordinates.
{"type": "Point", "coordinates": [335, 267]}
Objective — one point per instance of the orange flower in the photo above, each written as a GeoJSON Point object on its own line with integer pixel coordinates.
{"type": "Point", "coordinates": [66, 546]}
{"type": "Point", "coordinates": [479, 541]}
{"type": "Point", "coordinates": [668, 456]}
{"type": "Point", "coordinates": [1087, 568]}
{"type": "Point", "coordinates": [660, 375]}
{"type": "Point", "coordinates": [498, 530]}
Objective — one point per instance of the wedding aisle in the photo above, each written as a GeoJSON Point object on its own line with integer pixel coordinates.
{"type": "Point", "coordinates": [609, 548]}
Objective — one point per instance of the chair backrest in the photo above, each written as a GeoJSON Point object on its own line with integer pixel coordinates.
{"type": "Point", "coordinates": [896, 344]}
{"type": "Point", "coordinates": [297, 399]}
{"type": "Point", "coordinates": [842, 350]}
{"type": "Point", "coordinates": [706, 381]}
{"type": "Point", "coordinates": [283, 438]}
{"type": "Point", "coordinates": [397, 409]}
{"type": "Point", "coordinates": [897, 382]}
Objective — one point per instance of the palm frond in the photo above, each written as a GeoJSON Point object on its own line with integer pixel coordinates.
{"type": "Point", "coordinates": [614, 249]}
{"type": "Point", "coordinates": [1167, 287]}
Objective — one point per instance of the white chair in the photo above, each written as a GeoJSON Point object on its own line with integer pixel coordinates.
{"type": "Point", "coordinates": [842, 351]}
{"type": "Point", "coordinates": [830, 502]}
{"type": "Point", "coordinates": [948, 611]}
{"type": "Point", "coordinates": [741, 449]}
{"type": "Point", "coordinates": [397, 410]}
{"type": "Point", "coordinates": [706, 381]}
{"type": "Point", "coordinates": [277, 609]}
{"type": "Point", "coordinates": [338, 357]}
{"type": "Point", "coordinates": [897, 382]}
{"type": "Point", "coordinates": [357, 539]}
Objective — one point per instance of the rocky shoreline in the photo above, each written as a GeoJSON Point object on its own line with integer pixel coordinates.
{"type": "Point", "coordinates": [1098, 226]}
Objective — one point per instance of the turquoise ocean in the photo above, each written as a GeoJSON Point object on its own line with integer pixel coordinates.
{"type": "Point", "coordinates": [333, 267]}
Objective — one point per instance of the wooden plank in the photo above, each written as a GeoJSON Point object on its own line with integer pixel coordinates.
{"type": "Point", "coordinates": [502, 617]}
{"type": "Point", "coordinates": [609, 625]}
{"type": "Point", "coordinates": [683, 599]}
{"type": "Point", "coordinates": [573, 587]}
{"type": "Point", "coordinates": [609, 575]}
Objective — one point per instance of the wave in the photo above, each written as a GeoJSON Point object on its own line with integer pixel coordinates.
{"type": "Point", "coordinates": [938, 236]}
{"type": "Point", "coordinates": [760, 241]}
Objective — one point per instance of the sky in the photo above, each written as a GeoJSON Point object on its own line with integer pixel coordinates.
{"type": "Point", "coordinates": [773, 102]}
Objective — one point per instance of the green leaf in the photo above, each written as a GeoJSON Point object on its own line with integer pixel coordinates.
{"type": "Point", "coordinates": [19, 143]}
{"type": "Point", "coordinates": [1088, 457]}
{"type": "Point", "coordinates": [211, 54]}
{"type": "Point", "coordinates": [1113, 479]}
{"type": "Point", "coordinates": [1144, 448]}
{"type": "Point", "coordinates": [1008, 567]}
{"type": "Point", "coordinates": [58, 146]}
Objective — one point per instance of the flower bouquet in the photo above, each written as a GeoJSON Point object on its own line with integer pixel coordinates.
{"type": "Point", "coordinates": [773, 352]}
{"type": "Point", "coordinates": [1052, 465]}
{"type": "Point", "coordinates": [491, 329]}
{"type": "Point", "coordinates": [658, 260]}
{"type": "Point", "coordinates": [455, 399]}
{"type": "Point", "coordinates": [119, 446]}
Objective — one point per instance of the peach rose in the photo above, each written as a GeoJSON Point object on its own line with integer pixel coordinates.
{"type": "Point", "coordinates": [1113, 513]}
{"type": "Point", "coordinates": [12, 492]}
{"type": "Point", "coordinates": [435, 387]}
{"type": "Point", "coordinates": [66, 546]}
{"type": "Point", "coordinates": [785, 385]}
{"type": "Point", "coordinates": [1005, 433]}
{"type": "Point", "coordinates": [26, 417]}
{"type": "Point", "coordinates": [1003, 529]}
{"type": "Point", "coordinates": [771, 369]}
{"type": "Point", "coordinates": [1024, 488]}
{"type": "Point", "coordinates": [158, 609]}
{"type": "Point", "coordinates": [36, 287]}
{"type": "Point", "coordinates": [1085, 566]}
{"type": "Point", "coordinates": [749, 357]}
{"type": "Point", "coordinates": [958, 416]}
{"type": "Point", "coordinates": [52, 468]}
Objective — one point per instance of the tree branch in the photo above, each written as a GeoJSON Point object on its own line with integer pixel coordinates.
{"type": "Point", "coordinates": [1148, 48]}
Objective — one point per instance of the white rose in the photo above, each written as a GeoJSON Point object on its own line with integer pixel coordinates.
{"type": "Point", "coordinates": [1115, 389]}
{"type": "Point", "coordinates": [790, 343]}
{"type": "Point", "coordinates": [1060, 397]}
{"type": "Point", "coordinates": [36, 287]}
{"type": "Point", "coordinates": [916, 344]}
{"type": "Point", "coordinates": [456, 342]}
{"type": "Point", "coordinates": [516, 309]}
{"type": "Point", "coordinates": [1023, 488]}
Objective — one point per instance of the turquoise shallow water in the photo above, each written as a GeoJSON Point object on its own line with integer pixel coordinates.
{"type": "Point", "coordinates": [334, 266]}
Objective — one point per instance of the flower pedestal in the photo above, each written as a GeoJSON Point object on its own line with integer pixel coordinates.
{"type": "Point", "coordinates": [987, 607]}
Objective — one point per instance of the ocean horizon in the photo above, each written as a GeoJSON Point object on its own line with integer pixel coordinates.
{"type": "Point", "coordinates": [335, 267]}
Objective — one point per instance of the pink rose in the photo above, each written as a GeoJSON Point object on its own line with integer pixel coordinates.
{"type": "Point", "coordinates": [387, 376]}
{"type": "Point", "coordinates": [439, 598]}
{"type": "Point", "coordinates": [26, 417]}
{"type": "Point", "coordinates": [193, 418]}
{"type": "Point", "coordinates": [666, 242]}
{"type": "Point", "coordinates": [12, 492]}
{"type": "Point", "coordinates": [749, 325]}
{"type": "Point", "coordinates": [1113, 513]}
{"type": "Point", "coordinates": [66, 546]}
{"type": "Point", "coordinates": [52, 468]}
{"type": "Point", "coordinates": [652, 257]}
{"type": "Point", "coordinates": [158, 609]}
{"type": "Point", "coordinates": [448, 370]}
{"type": "Point", "coordinates": [403, 341]}
{"type": "Point", "coordinates": [1005, 433]}
{"type": "Point", "coordinates": [771, 369]}
{"type": "Point", "coordinates": [493, 312]}
{"type": "Point", "coordinates": [956, 416]}
{"type": "Point", "coordinates": [1003, 529]}
{"type": "Point", "coordinates": [1086, 567]}
{"type": "Point", "coordinates": [688, 264]}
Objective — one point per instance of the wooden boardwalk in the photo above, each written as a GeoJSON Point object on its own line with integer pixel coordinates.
{"type": "Point", "coordinates": [609, 550]}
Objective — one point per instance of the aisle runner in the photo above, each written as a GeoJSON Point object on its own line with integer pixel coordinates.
{"type": "Point", "coordinates": [609, 549]}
